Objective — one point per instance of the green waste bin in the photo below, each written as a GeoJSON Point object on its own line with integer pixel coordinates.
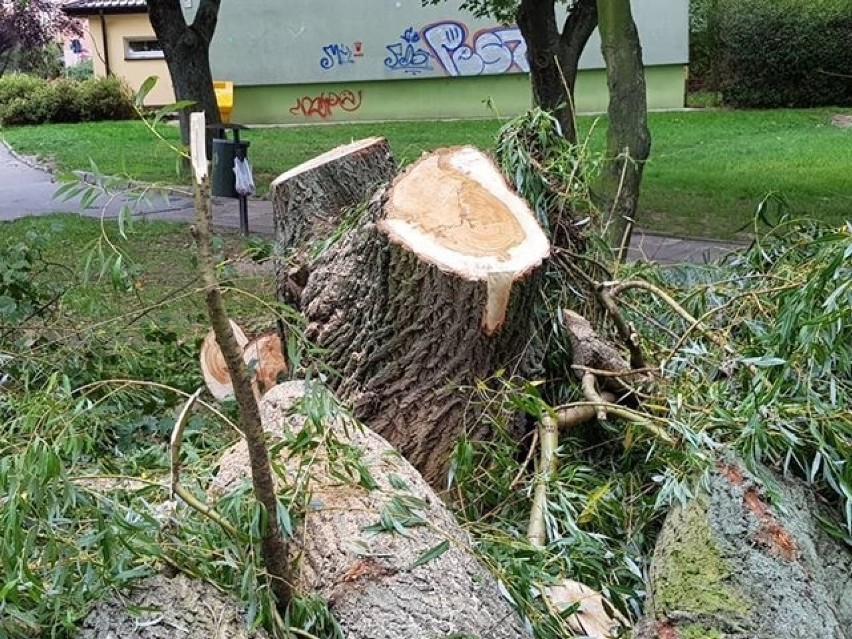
{"type": "Point", "coordinates": [222, 178]}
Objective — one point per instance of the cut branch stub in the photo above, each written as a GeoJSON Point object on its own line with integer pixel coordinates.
{"type": "Point", "coordinates": [310, 200]}
{"type": "Point", "coordinates": [431, 291]}
{"type": "Point", "coordinates": [453, 209]}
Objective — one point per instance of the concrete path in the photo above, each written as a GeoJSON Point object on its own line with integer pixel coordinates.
{"type": "Point", "coordinates": [28, 190]}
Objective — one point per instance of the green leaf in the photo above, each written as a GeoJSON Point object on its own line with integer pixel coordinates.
{"type": "Point", "coordinates": [145, 88]}
{"type": "Point", "coordinates": [433, 553]}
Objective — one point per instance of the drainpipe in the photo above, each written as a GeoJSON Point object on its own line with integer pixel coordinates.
{"type": "Point", "coordinates": [105, 42]}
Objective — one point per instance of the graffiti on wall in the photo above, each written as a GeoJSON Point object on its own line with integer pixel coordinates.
{"type": "Point", "coordinates": [495, 50]}
{"type": "Point", "coordinates": [336, 54]}
{"type": "Point", "coordinates": [407, 55]}
{"type": "Point", "coordinates": [324, 104]}
{"type": "Point", "coordinates": [448, 47]}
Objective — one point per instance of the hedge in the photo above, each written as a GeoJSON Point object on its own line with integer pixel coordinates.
{"type": "Point", "coordinates": [784, 53]}
{"type": "Point", "coordinates": [31, 100]}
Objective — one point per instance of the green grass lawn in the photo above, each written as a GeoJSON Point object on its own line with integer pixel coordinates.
{"type": "Point", "coordinates": [156, 282]}
{"type": "Point", "coordinates": [707, 173]}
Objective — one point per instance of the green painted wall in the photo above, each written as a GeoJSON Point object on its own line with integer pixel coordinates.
{"type": "Point", "coordinates": [431, 98]}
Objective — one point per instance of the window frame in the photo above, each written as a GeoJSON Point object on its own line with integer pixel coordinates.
{"type": "Point", "coordinates": [130, 54]}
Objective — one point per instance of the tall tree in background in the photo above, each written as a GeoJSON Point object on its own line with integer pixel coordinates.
{"type": "Point", "coordinates": [187, 51]}
{"type": "Point", "coordinates": [28, 26]}
{"type": "Point", "coordinates": [554, 56]}
{"type": "Point", "coordinates": [628, 137]}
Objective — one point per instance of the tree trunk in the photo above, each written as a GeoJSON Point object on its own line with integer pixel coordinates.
{"type": "Point", "coordinates": [363, 568]}
{"type": "Point", "coordinates": [628, 138]}
{"type": "Point", "coordinates": [428, 294]}
{"type": "Point", "coordinates": [310, 201]}
{"type": "Point", "coordinates": [554, 58]}
{"type": "Point", "coordinates": [187, 52]}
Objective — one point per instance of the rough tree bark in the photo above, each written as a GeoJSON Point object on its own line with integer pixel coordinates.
{"type": "Point", "coordinates": [628, 138]}
{"type": "Point", "coordinates": [732, 565]}
{"type": "Point", "coordinates": [431, 291]}
{"type": "Point", "coordinates": [552, 83]}
{"type": "Point", "coordinates": [368, 576]}
{"type": "Point", "coordinates": [187, 51]}
{"type": "Point", "coordinates": [310, 200]}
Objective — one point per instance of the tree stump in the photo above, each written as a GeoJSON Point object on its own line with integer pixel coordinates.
{"type": "Point", "coordinates": [309, 201]}
{"type": "Point", "coordinates": [380, 583]}
{"type": "Point", "coordinates": [432, 291]}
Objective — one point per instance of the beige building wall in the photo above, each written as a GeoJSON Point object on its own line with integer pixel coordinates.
{"type": "Point", "coordinates": [119, 28]}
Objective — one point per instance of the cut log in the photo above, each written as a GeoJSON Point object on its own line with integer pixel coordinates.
{"type": "Point", "coordinates": [432, 291]}
{"type": "Point", "coordinates": [732, 564]}
{"type": "Point", "coordinates": [379, 584]}
{"type": "Point", "coordinates": [309, 201]}
{"type": "Point", "coordinates": [262, 355]}
{"type": "Point", "coordinates": [213, 366]}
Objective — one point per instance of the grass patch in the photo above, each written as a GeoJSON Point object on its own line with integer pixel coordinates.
{"type": "Point", "coordinates": [707, 173]}
{"type": "Point", "coordinates": [154, 285]}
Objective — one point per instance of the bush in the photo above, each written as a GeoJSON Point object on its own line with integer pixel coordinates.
{"type": "Point", "coordinates": [105, 99]}
{"type": "Point", "coordinates": [31, 100]}
{"type": "Point", "coordinates": [82, 71]}
{"type": "Point", "coordinates": [703, 47]}
{"type": "Point", "coordinates": [16, 85]}
{"type": "Point", "coordinates": [784, 53]}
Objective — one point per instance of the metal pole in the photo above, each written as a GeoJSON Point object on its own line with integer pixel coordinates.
{"type": "Point", "coordinates": [244, 229]}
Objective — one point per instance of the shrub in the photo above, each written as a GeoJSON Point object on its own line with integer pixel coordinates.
{"type": "Point", "coordinates": [16, 85]}
{"type": "Point", "coordinates": [784, 53]}
{"type": "Point", "coordinates": [82, 71]}
{"type": "Point", "coordinates": [31, 100]}
{"type": "Point", "coordinates": [105, 98]}
{"type": "Point", "coordinates": [703, 45]}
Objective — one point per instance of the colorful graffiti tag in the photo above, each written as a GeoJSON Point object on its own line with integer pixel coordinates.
{"type": "Point", "coordinates": [407, 55]}
{"type": "Point", "coordinates": [494, 50]}
{"type": "Point", "coordinates": [324, 104]}
{"type": "Point", "coordinates": [335, 55]}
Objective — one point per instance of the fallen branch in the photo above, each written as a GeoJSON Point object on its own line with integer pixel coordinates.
{"type": "Point", "coordinates": [549, 438]}
{"type": "Point", "coordinates": [590, 392]}
{"type": "Point", "coordinates": [617, 288]}
{"type": "Point", "coordinates": [176, 488]}
{"type": "Point", "coordinates": [626, 332]}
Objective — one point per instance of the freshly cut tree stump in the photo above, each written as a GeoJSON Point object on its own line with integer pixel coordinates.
{"type": "Point", "coordinates": [379, 583]}
{"type": "Point", "coordinates": [433, 290]}
{"type": "Point", "coordinates": [309, 200]}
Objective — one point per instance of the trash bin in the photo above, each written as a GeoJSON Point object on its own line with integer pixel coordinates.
{"type": "Point", "coordinates": [223, 177]}
{"type": "Point", "coordinates": [224, 98]}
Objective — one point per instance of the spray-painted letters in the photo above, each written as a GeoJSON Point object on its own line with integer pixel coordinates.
{"type": "Point", "coordinates": [336, 55]}
{"type": "Point", "coordinates": [323, 105]}
{"type": "Point", "coordinates": [407, 55]}
{"type": "Point", "coordinates": [495, 50]}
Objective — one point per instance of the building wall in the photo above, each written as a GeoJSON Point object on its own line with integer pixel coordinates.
{"type": "Point", "coordinates": [396, 59]}
{"type": "Point", "coordinates": [386, 59]}
{"type": "Point", "coordinates": [260, 42]}
{"type": "Point", "coordinates": [134, 72]}
{"type": "Point", "coordinates": [430, 98]}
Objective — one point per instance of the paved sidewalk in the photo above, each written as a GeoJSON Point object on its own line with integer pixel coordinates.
{"type": "Point", "coordinates": [28, 190]}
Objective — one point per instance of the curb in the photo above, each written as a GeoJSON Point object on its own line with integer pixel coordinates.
{"type": "Point", "coordinates": [31, 161]}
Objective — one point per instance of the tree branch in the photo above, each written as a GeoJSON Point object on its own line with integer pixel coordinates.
{"type": "Point", "coordinates": [273, 547]}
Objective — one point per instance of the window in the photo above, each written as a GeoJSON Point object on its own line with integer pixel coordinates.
{"type": "Point", "coordinates": [142, 49]}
